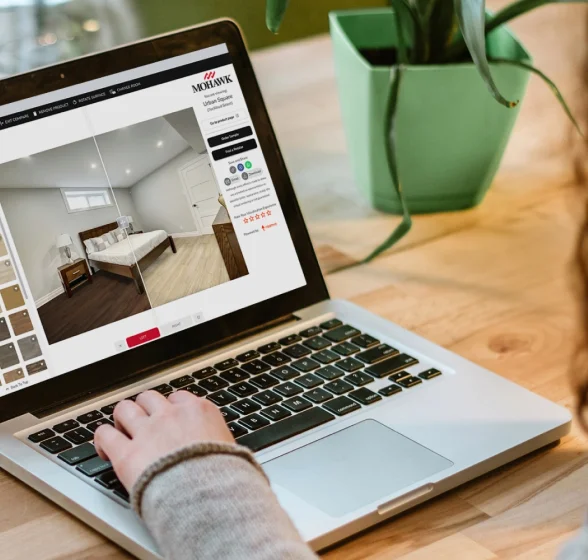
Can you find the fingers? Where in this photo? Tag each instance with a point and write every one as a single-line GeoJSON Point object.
{"type": "Point", "coordinates": [129, 416]}
{"type": "Point", "coordinates": [183, 397]}
{"type": "Point", "coordinates": [110, 443]}
{"type": "Point", "coordinates": [151, 402]}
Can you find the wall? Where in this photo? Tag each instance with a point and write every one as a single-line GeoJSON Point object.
{"type": "Point", "coordinates": [160, 200]}
{"type": "Point", "coordinates": [185, 124]}
{"type": "Point", "coordinates": [37, 216]}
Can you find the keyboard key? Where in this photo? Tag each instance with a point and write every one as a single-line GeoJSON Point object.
{"type": "Point", "coordinates": [204, 373]}
{"type": "Point", "coordinates": [408, 382]}
{"type": "Point", "coordinates": [213, 383]}
{"type": "Point", "coordinates": [297, 404]}
{"type": "Point", "coordinates": [349, 365]}
{"type": "Point", "coordinates": [242, 389]}
{"type": "Point", "coordinates": [121, 492]}
{"type": "Point", "coordinates": [276, 359]}
{"type": "Point", "coordinates": [108, 409]}
{"type": "Point", "coordinates": [270, 347]}
{"type": "Point", "coordinates": [221, 398]}
{"type": "Point", "coordinates": [339, 387]}
{"type": "Point", "coordinates": [276, 413]}
{"type": "Point", "coordinates": [329, 373]}
{"type": "Point", "coordinates": [341, 406]}
{"type": "Point", "coordinates": [365, 340]}
{"type": "Point", "coordinates": [318, 395]}
{"type": "Point", "coordinates": [246, 406]}
{"type": "Point", "coordinates": [234, 375]}
{"type": "Point", "coordinates": [311, 331]}
{"type": "Point", "coordinates": [346, 349]}
{"type": "Point", "coordinates": [79, 435]}
{"type": "Point", "coordinates": [305, 365]}
{"type": "Point", "coordinates": [400, 375]}
{"type": "Point", "coordinates": [236, 430]}
{"type": "Point", "coordinates": [42, 435]}
{"type": "Point", "coordinates": [430, 374]}
{"type": "Point", "coordinates": [195, 390]}
{"type": "Point", "coordinates": [255, 367]}
{"type": "Point", "coordinates": [108, 479]}
{"type": "Point", "coordinates": [78, 454]}
{"type": "Point", "coordinates": [359, 379]}
{"type": "Point", "coordinates": [364, 396]}
{"type": "Point", "coordinates": [90, 417]}
{"type": "Point", "coordinates": [66, 426]}
{"type": "Point", "coordinates": [391, 365]}
{"type": "Point", "coordinates": [93, 426]}
{"type": "Point", "coordinates": [297, 351]}
{"type": "Point", "coordinates": [163, 389]}
{"type": "Point", "coordinates": [376, 354]}
{"type": "Point", "coordinates": [275, 433]}
{"type": "Point", "coordinates": [285, 373]}
{"type": "Point", "coordinates": [254, 422]}
{"type": "Point", "coordinates": [94, 466]}
{"type": "Point", "coordinates": [326, 356]}
{"type": "Point", "coordinates": [390, 390]}
{"type": "Point", "coordinates": [181, 381]}
{"type": "Point", "coordinates": [267, 398]}
{"type": "Point", "coordinates": [290, 339]}
{"type": "Point", "coordinates": [247, 356]}
{"type": "Point", "coordinates": [226, 364]}
{"type": "Point", "coordinates": [341, 333]}
{"type": "Point", "coordinates": [288, 389]}
{"type": "Point", "coordinates": [309, 381]}
{"type": "Point", "coordinates": [264, 381]}
{"type": "Point", "coordinates": [55, 445]}
{"type": "Point", "coordinates": [317, 343]}
{"type": "Point", "coordinates": [331, 324]}
{"type": "Point", "coordinates": [228, 414]}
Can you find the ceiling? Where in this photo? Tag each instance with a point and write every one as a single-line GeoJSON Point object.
{"type": "Point", "coordinates": [129, 154]}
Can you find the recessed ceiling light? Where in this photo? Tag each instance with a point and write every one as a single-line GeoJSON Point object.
{"type": "Point", "coordinates": [128, 171]}
{"type": "Point", "coordinates": [91, 25]}
{"type": "Point", "coordinates": [160, 143]}
{"type": "Point", "coordinates": [93, 166]}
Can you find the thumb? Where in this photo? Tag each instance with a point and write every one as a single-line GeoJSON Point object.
{"type": "Point", "coordinates": [110, 444]}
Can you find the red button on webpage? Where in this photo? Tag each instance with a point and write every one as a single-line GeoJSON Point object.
{"type": "Point", "coordinates": [142, 338]}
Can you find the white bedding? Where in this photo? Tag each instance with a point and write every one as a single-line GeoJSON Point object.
{"type": "Point", "coordinates": [130, 250]}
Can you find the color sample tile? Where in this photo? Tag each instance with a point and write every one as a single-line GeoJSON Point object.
{"type": "Point", "coordinates": [8, 355]}
{"type": "Point", "coordinates": [3, 250]}
{"type": "Point", "coordinates": [12, 297]}
{"type": "Point", "coordinates": [4, 332]}
{"type": "Point", "coordinates": [29, 347]}
{"type": "Point", "coordinates": [6, 272]}
{"type": "Point", "coordinates": [36, 367]}
{"type": "Point", "coordinates": [14, 375]}
{"type": "Point", "coordinates": [21, 322]}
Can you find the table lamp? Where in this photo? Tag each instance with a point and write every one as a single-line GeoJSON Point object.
{"type": "Point", "coordinates": [64, 240]}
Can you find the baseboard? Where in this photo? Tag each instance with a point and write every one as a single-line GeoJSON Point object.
{"type": "Point", "coordinates": [47, 298]}
{"type": "Point", "coordinates": [186, 234]}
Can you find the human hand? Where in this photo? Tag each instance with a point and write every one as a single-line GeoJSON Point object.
{"type": "Point", "coordinates": [153, 426]}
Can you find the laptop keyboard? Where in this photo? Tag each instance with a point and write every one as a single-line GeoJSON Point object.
{"type": "Point", "coordinates": [266, 395]}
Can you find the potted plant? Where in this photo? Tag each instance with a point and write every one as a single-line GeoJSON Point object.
{"type": "Point", "coordinates": [429, 92]}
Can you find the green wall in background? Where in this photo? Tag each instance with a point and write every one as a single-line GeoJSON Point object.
{"type": "Point", "coordinates": [304, 17]}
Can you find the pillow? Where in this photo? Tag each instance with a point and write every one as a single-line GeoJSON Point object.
{"type": "Point", "coordinates": [120, 237]}
{"type": "Point", "coordinates": [110, 238]}
{"type": "Point", "coordinates": [90, 247]}
{"type": "Point", "coordinates": [119, 234]}
{"type": "Point", "coordinates": [99, 244]}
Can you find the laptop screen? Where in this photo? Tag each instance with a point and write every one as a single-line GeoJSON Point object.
{"type": "Point", "coordinates": [132, 207]}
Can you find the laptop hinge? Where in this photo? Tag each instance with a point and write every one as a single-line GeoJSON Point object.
{"type": "Point", "coordinates": [54, 408]}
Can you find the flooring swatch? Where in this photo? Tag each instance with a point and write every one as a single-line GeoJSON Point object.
{"type": "Point", "coordinates": [36, 367]}
{"type": "Point", "coordinates": [13, 375]}
{"type": "Point", "coordinates": [29, 347]}
{"type": "Point", "coordinates": [6, 272]}
{"type": "Point", "coordinates": [4, 332]}
{"type": "Point", "coordinates": [12, 297]}
{"type": "Point", "coordinates": [21, 322]}
{"type": "Point", "coordinates": [8, 355]}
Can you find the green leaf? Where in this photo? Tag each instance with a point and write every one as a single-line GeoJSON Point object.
{"type": "Point", "coordinates": [471, 15]}
{"type": "Point", "coordinates": [274, 13]}
{"type": "Point", "coordinates": [548, 81]}
{"type": "Point", "coordinates": [401, 8]}
{"type": "Point", "coordinates": [443, 29]}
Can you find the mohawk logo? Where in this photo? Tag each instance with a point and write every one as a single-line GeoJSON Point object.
{"type": "Point", "coordinates": [211, 82]}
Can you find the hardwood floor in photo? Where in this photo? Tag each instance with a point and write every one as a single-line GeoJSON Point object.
{"type": "Point", "coordinates": [198, 265]}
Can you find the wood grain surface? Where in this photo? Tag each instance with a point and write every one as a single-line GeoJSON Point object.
{"type": "Point", "coordinates": [492, 284]}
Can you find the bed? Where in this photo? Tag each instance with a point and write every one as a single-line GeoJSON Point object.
{"type": "Point", "coordinates": [129, 257]}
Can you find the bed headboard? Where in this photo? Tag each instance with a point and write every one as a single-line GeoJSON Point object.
{"type": "Point", "coordinates": [96, 232]}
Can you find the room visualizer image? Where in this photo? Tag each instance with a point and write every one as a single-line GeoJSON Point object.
{"type": "Point", "coordinates": [115, 225]}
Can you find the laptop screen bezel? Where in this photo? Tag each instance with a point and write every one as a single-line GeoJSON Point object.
{"type": "Point", "coordinates": [140, 362]}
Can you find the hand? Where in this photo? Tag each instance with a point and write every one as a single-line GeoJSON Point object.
{"type": "Point", "coordinates": [153, 426]}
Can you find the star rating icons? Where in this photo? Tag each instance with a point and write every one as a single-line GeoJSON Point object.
{"type": "Point", "coordinates": [269, 212]}
{"type": "Point", "coordinates": [257, 216]}
{"type": "Point", "coordinates": [245, 221]}
{"type": "Point", "coordinates": [264, 214]}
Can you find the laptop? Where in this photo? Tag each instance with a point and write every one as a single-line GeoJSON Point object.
{"type": "Point", "coordinates": [151, 239]}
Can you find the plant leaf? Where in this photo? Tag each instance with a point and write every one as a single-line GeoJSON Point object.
{"type": "Point", "coordinates": [471, 15]}
{"type": "Point", "coordinates": [547, 80]}
{"type": "Point", "coordinates": [400, 8]}
{"type": "Point", "coordinates": [442, 31]}
{"type": "Point", "coordinates": [274, 13]}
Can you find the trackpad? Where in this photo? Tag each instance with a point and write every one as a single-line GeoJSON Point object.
{"type": "Point", "coordinates": [354, 467]}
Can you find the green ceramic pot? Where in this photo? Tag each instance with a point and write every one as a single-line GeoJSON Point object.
{"type": "Point", "coordinates": [451, 133]}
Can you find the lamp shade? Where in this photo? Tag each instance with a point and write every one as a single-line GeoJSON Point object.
{"type": "Point", "coordinates": [64, 240]}
{"type": "Point", "coordinates": [123, 222]}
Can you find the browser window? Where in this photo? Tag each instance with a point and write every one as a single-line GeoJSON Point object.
{"type": "Point", "coordinates": [132, 207]}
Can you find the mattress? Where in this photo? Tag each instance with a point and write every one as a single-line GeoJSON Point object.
{"type": "Point", "coordinates": [130, 250]}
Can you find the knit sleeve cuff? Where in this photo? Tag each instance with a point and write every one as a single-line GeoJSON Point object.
{"type": "Point", "coordinates": [183, 454]}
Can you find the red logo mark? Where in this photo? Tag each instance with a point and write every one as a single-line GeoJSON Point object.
{"type": "Point", "coordinates": [209, 75]}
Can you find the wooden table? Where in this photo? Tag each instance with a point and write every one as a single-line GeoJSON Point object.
{"type": "Point", "coordinates": [491, 283]}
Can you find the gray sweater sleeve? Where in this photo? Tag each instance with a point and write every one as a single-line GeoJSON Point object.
{"type": "Point", "coordinates": [213, 501]}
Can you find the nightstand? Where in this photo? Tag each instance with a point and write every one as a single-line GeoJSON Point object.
{"type": "Point", "coordinates": [73, 275]}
